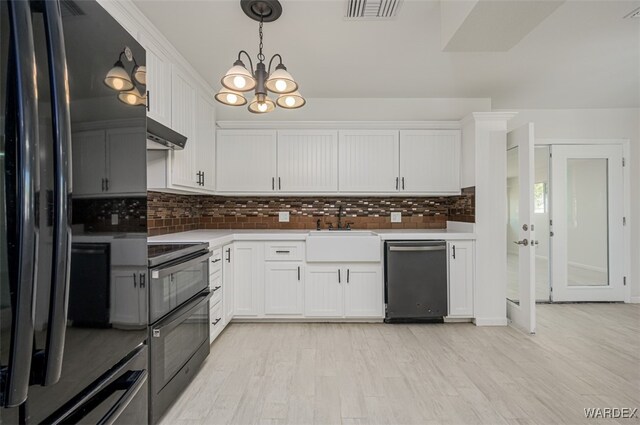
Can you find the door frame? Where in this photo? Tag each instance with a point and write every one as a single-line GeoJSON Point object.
{"type": "Point", "coordinates": [626, 194]}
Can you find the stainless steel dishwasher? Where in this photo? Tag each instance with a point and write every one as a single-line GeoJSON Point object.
{"type": "Point", "coordinates": [415, 281]}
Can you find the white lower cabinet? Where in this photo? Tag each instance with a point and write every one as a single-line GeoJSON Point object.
{"type": "Point", "coordinates": [283, 288]}
{"type": "Point", "coordinates": [248, 258]}
{"type": "Point", "coordinates": [343, 290]}
{"type": "Point", "coordinates": [228, 283]}
{"type": "Point", "coordinates": [323, 291]}
{"type": "Point", "coordinates": [128, 303]}
{"type": "Point", "coordinates": [461, 277]}
{"type": "Point", "coordinates": [363, 291]}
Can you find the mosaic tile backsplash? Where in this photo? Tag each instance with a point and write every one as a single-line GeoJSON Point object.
{"type": "Point", "coordinates": [169, 213]}
{"type": "Point", "coordinates": [96, 214]}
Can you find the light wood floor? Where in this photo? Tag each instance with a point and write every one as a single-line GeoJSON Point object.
{"type": "Point", "coordinates": [584, 355]}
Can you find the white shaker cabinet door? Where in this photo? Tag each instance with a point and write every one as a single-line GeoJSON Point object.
{"type": "Point", "coordinates": [183, 162]}
{"type": "Point", "coordinates": [228, 282]}
{"type": "Point", "coordinates": [89, 162]}
{"type": "Point", "coordinates": [461, 277]}
{"type": "Point", "coordinates": [323, 291]}
{"type": "Point", "coordinates": [206, 138]}
{"type": "Point", "coordinates": [430, 161]}
{"type": "Point", "coordinates": [125, 174]}
{"type": "Point", "coordinates": [363, 291]}
{"type": "Point", "coordinates": [158, 81]}
{"type": "Point", "coordinates": [248, 278]}
{"type": "Point", "coordinates": [307, 161]}
{"type": "Point", "coordinates": [246, 161]}
{"type": "Point", "coordinates": [283, 288]}
{"type": "Point", "coordinates": [369, 161]}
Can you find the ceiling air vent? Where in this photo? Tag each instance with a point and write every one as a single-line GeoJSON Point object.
{"type": "Point", "coordinates": [372, 9]}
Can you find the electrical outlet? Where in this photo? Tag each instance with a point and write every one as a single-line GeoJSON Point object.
{"type": "Point", "coordinates": [283, 216]}
{"type": "Point", "coordinates": [396, 217]}
{"type": "Point", "coordinates": [114, 219]}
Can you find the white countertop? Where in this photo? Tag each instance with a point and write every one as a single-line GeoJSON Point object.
{"type": "Point", "coordinates": [221, 237]}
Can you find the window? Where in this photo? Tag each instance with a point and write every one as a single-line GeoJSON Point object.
{"type": "Point", "coordinates": [540, 198]}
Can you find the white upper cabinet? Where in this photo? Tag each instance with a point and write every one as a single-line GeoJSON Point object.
{"type": "Point", "coordinates": [158, 81]}
{"type": "Point", "coordinates": [126, 175]}
{"type": "Point", "coordinates": [246, 161]}
{"type": "Point", "coordinates": [369, 161]}
{"type": "Point", "coordinates": [307, 161]}
{"type": "Point", "coordinates": [89, 167]}
{"type": "Point", "coordinates": [94, 174]}
{"type": "Point", "coordinates": [430, 161]}
{"type": "Point", "coordinates": [205, 139]}
{"type": "Point", "coordinates": [183, 102]}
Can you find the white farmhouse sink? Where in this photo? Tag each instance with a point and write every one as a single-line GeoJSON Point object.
{"type": "Point", "coordinates": [343, 246]}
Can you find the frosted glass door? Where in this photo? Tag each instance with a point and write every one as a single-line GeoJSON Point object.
{"type": "Point", "coordinates": [587, 210]}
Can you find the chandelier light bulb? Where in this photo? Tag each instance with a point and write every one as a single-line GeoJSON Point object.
{"type": "Point", "coordinates": [232, 98]}
{"type": "Point", "coordinates": [262, 107]}
{"type": "Point", "coordinates": [118, 83]}
{"type": "Point", "coordinates": [289, 101]}
{"type": "Point", "coordinates": [240, 82]}
{"type": "Point", "coordinates": [131, 99]}
{"type": "Point", "coordinates": [281, 85]}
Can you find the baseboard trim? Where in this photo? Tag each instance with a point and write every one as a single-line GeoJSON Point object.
{"type": "Point", "coordinates": [490, 321]}
{"type": "Point", "coordinates": [635, 300]}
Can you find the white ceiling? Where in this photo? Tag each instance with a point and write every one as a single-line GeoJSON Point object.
{"type": "Point", "coordinates": [584, 55]}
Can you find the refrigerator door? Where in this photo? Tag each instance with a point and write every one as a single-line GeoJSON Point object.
{"type": "Point", "coordinates": [75, 44]}
{"type": "Point", "coordinates": [18, 226]}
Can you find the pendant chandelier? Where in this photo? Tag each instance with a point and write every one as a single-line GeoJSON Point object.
{"type": "Point", "coordinates": [125, 83]}
{"type": "Point", "coordinates": [239, 80]}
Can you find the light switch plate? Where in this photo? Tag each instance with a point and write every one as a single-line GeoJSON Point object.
{"type": "Point", "coordinates": [283, 216]}
{"type": "Point", "coordinates": [396, 217]}
{"type": "Point", "coordinates": [114, 219]}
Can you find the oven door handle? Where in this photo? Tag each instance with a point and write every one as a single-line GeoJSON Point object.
{"type": "Point", "coordinates": [160, 272]}
{"type": "Point", "coordinates": [180, 316]}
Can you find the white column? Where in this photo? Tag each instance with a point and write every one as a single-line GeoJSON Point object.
{"type": "Point", "coordinates": [486, 136]}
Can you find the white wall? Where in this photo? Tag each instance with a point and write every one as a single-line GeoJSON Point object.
{"type": "Point", "coordinates": [369, 109]}
{"type": "Point", "coordinates": [598, 124]}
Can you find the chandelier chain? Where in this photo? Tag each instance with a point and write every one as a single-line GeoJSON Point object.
{"type": "Point", "coordinates": [260, 54]}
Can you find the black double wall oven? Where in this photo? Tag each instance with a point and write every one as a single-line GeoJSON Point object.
{"type": "Point", "coordinates": [179, 319]}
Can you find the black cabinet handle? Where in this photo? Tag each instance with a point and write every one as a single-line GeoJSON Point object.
{"type": "Point", "coordinates": [403, 183]}
{"type": "Point", "coordinates": [107, 183]}
{"type": "Point", "coordinates": [298, 273]}
{"type": "Point", "coordinates": [279, 184]}
{"type": "Point", "coordinates": [273, 183]}
{"type": "Point", "coordinates": [348, 275]}
{"type": "Point", "coordinates": [339, 276]}
{"type": "Point", "coordinates": [397, 180]}
{"type": "Point", "coordinates": [216, 288]}
{"type": "Point", "coordinates": [215, 322]}
{"type": "Point", "coordinates": [282, 252]}
{"type": "Point", "coordinates": [216, 260]}
{"type": "Point", "coordinates": [228, 255]}
{"type": "Point", "coordinates": [143, 279]}
{"type": "Point", "coordinates": [454, 251]}
{"type": "Point", "coordinates": [148, 101]}
{"type": "Point", "coordinates": [135, 283]}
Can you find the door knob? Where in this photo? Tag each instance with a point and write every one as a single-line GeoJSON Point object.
{"type": "Point", "coordinates": [524, 242]}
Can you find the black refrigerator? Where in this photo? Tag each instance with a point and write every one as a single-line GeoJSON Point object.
{"type": "Point", "coordinates": [73, 177]}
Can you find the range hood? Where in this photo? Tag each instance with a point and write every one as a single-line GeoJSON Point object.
{"type": "Point", "coordinates": [161, 137]}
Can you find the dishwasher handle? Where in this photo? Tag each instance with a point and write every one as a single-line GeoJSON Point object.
{"type": "Point", "coordinates": [417, 248]}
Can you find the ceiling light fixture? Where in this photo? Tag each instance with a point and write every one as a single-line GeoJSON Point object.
{"type": "Point", "coordinates": [119, 80]}
{"type": "Point", "coordinates": [261, 80]}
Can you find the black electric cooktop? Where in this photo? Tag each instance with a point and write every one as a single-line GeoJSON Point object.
{"type": "Point", "coordinates": [159, 253]}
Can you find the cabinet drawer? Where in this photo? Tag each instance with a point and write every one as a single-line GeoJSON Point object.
{"type": "Point", "coordinates": [215, 286]}
{"type": "Point", "coordinates": [216, 261]}
{"type": "Point", "coordinates": [284, 251]}
{"type": "Point", "coordinates": [216, 321]}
